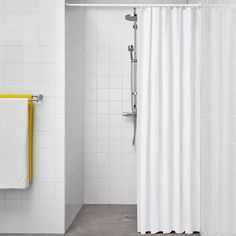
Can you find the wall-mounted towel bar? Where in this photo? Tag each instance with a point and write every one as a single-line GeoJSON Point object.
{"type": "Point", "coordinates": [31, 98]}
{"type": "Point", "coordinates": [36, 98]}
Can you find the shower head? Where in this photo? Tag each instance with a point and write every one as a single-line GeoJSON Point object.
{"type": "Point", "coordinates": [131, 48]}
{"type": "Point", "coordinates": [133, 18]}
{"type": "Point", "coordinates": [131, 51]}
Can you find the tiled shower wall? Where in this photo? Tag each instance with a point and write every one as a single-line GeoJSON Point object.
{"type": "Point", "coordinates": [32, 61]}
{"type": "Point", "coordinates": [74, 107]}
{"type": "Point", "coordinates": [110, 161]}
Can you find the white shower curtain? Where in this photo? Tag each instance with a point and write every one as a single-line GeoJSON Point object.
{"type": "Point", "coordinates": [218, 126]}
{"type": "Point", "coordinates": [168, 120]}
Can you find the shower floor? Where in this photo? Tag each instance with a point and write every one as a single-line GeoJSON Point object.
{"type": "Point", "coordinates": [103, 220]}
{"type": "Point", "coordinates": [107, 220]}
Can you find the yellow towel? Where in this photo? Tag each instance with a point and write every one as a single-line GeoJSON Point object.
{"type": "Point", "coordinates": [29, 96]}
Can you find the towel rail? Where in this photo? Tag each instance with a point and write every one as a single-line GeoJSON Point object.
{"type": "Point", "coordinates": [36, 98]}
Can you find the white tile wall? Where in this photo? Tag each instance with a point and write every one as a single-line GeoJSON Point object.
{"type": "Point", "coordinates": [110, 162]}
{"type": "Point", "coordinates": [32, 61]}
{"type": "Point", "coordinates": [74, 112]}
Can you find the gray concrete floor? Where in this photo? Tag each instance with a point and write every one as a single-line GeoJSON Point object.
{"type": "Point", "coordinates": [104, 220]}
{"type": "Point", "coordinates": [107, 220]}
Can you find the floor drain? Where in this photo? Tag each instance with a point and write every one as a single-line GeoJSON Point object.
{"type": "Point", "coordinates": [130, 218]}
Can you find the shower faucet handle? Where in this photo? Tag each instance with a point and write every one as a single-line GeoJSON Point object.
{"type": "Point", "coordinates": [127, 114]}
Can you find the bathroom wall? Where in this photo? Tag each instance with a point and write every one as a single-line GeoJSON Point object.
{"type": "Point", "coordinates": [74, 107]}
{"type": "Point", "coordinates": [32, 61]}
{"type": "Point", "coordinates": [110, 162]}
{"type": "Point", "coordinates": [218, 120]}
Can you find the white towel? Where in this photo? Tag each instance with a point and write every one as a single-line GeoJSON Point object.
{"type": "Point", "coordinates": [14, 146]}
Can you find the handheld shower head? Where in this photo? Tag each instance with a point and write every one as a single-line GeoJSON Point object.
{"type": "Point", "coordinates": [131, 48]}
{"type": "Point", "coordinates": [131, 51]}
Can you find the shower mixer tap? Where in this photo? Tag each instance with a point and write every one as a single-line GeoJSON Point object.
{"type": "Point", "coordinates": [129, 114]}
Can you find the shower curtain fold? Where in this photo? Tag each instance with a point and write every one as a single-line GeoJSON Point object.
{"type": "Point", "coordinates": [168, 120]}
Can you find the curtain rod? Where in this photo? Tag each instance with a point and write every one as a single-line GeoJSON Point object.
{"type": "Point", "coordinates": [131, 5]}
